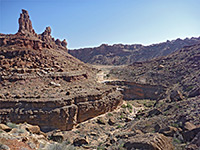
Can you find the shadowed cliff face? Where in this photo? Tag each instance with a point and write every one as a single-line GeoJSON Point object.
{"type": "Point", "coordinates": [40, 83]}
{"type": "Point", "coordinates": [119, 54]}
{"type": "Point", "coordinates": [133, 90]}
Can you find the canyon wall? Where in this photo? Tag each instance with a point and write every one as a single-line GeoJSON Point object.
{"type": "Point", "coordinates": [132, 90]}
{"type": "Point", "coordinates": [60, 113]}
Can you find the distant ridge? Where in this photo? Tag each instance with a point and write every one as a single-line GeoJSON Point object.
{"type": "Point", "coordinates": [120, 54]}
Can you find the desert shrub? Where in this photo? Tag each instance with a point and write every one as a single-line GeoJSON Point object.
{"type": "Point", "coordinates": [189, 88]}
{"type": "Point", "coordinates": [21, 131]}
{"type": "Point", "coordinates": [121, 116]}
{"type": "Point", "coordinates": [119, 126]}
{"type": "Point", "coordinates": [109, 114]}
{"type": "Point", "coordinates": [176, 141]}
{"type": "Point", "coordinates": [175, 125]}
{"type": "Point", "coordinates": [11, 125]}
{"type": "Point", "coordinates": [129, 106]}
{"type": "Point", "coordinates": [123, 106]}
{"type": "Point", "coordinates": [101, 148]}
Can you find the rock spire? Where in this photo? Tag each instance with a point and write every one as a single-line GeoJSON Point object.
{"type": "Point", "coordinates": [25, 24]}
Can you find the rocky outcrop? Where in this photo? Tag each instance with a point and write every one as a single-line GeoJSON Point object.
{"type": "Point", "coordinates": [40, 83]}
{"type": "Point", "coordinates": [179, 73]}
{"type": "Point", "coordinates": [149, 141]}
{"type": "Point", "coordinates": [57, 113]}
{"type": "Point", "coordinates": [195, 143]}
{"type": "Point", "coordinates": [25, 24]}
{"type": "Point", "coordinates": [24, 136]}
{"type": "Point", "coordinates": [47, 38]}
{"type": "Point", "coordinates": [133, 90]}
{"type": "Point", "coordinates": [64, 43]}
{"type": "Point", "coordinates": [26, 36]}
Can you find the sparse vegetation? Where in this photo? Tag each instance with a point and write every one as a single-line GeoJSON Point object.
{"type": "Point", "coordinates": [119, 126]}
{"type": "Point", "coordinates": [129, 106]}
{"type": "Point", "coordinates": [12, 125]}
{"type": "Point", "coordinates": [175, 125]}
{"type": "Point", "coordinates": [189, 88]}
{"type": "Point", "coordinates": [110, 114]}
{"type": "Point", "coordinates": [176, 140]}
{"type": "Point", "coordinates": [121, 116]}
{"type": "Point", "coordinates": [123, 106]}
{"type": "Point", "coordinates": [101, 148]}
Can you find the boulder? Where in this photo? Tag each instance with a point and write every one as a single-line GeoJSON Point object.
{"type": "Point", "coordinates": [154, 112]}
{"type": "Point", "coordinates": [101, 120]}
{"type": "Point", "coordinates": [111, 121]}
{"type": "Point", "coordinates": [127, 119]}
{"type": "Point", "coordinates": [169, 131]}
{"type": "Point", "coordinates": [5, 128]}
{"type": "Point", "coordinates": [189, 126]}
{"type": "Point", "coordinates": [149, 141]}
{"type": "Point", "coordinates": [58, 42]}
{"type": "Point", "coordinates": [175, 95]}
{"type": "Point", "coordinates": [64, 43]}
{"type": "Point", "coordinates": [33, 129]}
{"type": "Point", "coordinates": [79, 141]}
{"type": "Point", "coordinates": [157, 127]}
{"type": "Point", "coordinates": [47, 32]}
{"type": "Point", "coordinates": [55, 84]}
{"type": "Point", "coordinates": [57, 137]}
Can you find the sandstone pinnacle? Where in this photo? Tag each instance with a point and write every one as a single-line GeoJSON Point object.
{"type": "Point", "coordinates": [25, 23]}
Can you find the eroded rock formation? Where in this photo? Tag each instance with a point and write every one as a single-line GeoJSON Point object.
{"type": "Point", "coordinates": [26, 36]}
{"type": "Point", "coordinates": [40, 83]}
{"type": "Point", "coordinates": [133, 90]}
{"type": "Point", "coordinates": [25, 24]}
{"type": "Point", "coordinates": [59, 113]}
{"type": "Point", "coordinates": [149, 141]}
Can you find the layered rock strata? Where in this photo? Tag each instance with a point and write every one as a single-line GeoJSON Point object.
{"type": "Point", "coordinates": [40, 83]}
{"type": "Point", "coordinates": [120, 54]}
{"type": "Point", "coordinates": [133, 90]}
{"type": "Point", "coordinates": [59, 113]}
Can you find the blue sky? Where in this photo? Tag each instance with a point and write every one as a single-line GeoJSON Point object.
{"type": "Point", "coordinates": [88, 23]}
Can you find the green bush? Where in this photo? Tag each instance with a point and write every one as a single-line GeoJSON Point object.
{"type": "Point", "coordinates": [129, 106]}
{"type": "Point", "coordinates": [176, 140]}
{"type": "Point", "coordinates": [109, 114]}
{"type": "Point", "coordinates": [11, 125]}
{"type": "Point", "coordinates": [123, 106]}
{"type": "Point", "coordinates": [119, 126]}
{"type": "Point", "coordinates": [121, 116]}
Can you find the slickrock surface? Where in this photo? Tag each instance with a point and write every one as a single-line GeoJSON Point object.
{"type": "Point", "coordinates": [40, 83]}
